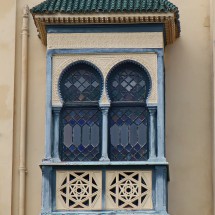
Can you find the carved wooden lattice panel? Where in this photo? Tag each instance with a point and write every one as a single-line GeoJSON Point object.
{"type": "Point", "coordinates": [79, 190]}
{"type": "Point", "coordinates": [129, 190]}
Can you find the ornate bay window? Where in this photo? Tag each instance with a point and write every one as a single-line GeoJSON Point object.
{"type": "Point", "coordinates": [105, 134]}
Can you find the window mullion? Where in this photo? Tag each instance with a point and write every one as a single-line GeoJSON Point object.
{"type": "Point", "coordinates": [56, 126]}
{"type": "Point", "coordinates": [104, 156]}
{"type": "Point", "coordinates": [152, 134]}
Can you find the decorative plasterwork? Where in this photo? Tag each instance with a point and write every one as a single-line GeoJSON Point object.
{"type": "Point", "coordinates": [171, 31]}
{"type": "Point", "coordinates": [79, 190]}
{"type": "Point", "coordinates": [104, 62]}
{"type": "Point", "coordinates": [105, 40]}
{"type": "Point", "coordinates": [129, 190]}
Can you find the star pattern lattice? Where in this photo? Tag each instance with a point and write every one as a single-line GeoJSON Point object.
{"type": "Point", "coordinates": [79, 190]}
{"type": "Point", "coordinates": [127, 190]}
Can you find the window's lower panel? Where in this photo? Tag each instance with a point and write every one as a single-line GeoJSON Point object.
{"type": "Point", "coordinates": [104, 190]}
{"type": "Point", "coordinates": [130, 190]}
{"type": "Point", "coordinates": [79, 190]}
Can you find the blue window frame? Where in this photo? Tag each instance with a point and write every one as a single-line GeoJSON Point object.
{"type": "Point", "coordinates": [80, 119]}
{"type": "Point", "coordinates": [128, 87]}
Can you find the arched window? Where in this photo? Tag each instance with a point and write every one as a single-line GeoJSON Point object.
{"type": "Point", "coordinates": [128, 87]}
{"type": "Point", "coordinates": [80, 87]}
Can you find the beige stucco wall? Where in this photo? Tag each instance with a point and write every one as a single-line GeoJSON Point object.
{"type": "Point", "coordinates": [7, 61]}
{"type": "Point", "coordinates": [188, 111]}
{"type": "Point", "coordinates": [35, 115]}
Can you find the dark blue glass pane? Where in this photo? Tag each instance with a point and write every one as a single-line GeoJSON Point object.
{"type": "Point", "coordinates": [128, 82]}
{"type": "Point", "coordinates": [128, 134]}
{"type": "Point", "coordinates": [80, 82]}
{"type": "Point", "coordinates": [80, 140]}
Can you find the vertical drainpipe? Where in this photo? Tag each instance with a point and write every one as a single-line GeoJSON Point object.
{"type": "Point", "coordinates": [22, 164]}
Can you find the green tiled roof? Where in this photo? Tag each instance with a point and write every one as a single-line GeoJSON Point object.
{"type": "Point", "coordinates": [54, 8]}
{"type": "Point", "coordinates": [104, 6]}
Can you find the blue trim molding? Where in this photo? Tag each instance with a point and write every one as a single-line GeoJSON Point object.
{"type": "Point", "coordinates": [110, 28]}
{"type": "Point", "coordinates": [49, 132]}
{"type": "Point", "coordinates": [51, 52]}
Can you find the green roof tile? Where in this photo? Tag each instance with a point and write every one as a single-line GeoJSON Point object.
{"type": "Point", "coordinates": [103, 6]}
{"type": "Point", "coordinates": [107, 6]}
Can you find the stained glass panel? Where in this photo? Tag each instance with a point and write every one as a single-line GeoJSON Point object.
{"type": "Point", "coordinates": [80, 82]}
{"type": "Point", "coordinates": [80, 134]}
{"type": "Point", "coordinates": [128, 82]}
{"type": "Point", "coordinates": [128, 134]}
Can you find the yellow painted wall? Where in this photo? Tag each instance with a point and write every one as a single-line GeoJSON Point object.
{"type": "Point", "coordinates": [188, 111]}
{"type": "Point", "coordinates": [35, 115]}
{"type": "Point", "coordinates": [7, 66]}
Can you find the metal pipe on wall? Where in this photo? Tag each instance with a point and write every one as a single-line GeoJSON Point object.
{"type": "Point", "coordinates": [212, 34]}
{"type": "Point", "coordinates": [22, 164]}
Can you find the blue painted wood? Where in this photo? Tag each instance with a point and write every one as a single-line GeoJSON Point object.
{"type": "Point", "coordinates": [158, 186]}
{"type": "Point", "coordinates": [161, 110]}
{"type": "Point", "coordinates": [160, 183]}
{"type": "Point", "coordinates": [98, 28]}
{"type": "Point", "coordinates": [103, 189]}
{"type": "Point", "coordinates": [161, 189]}
{"type": "Point", "coordinates": [104, 163]}
{"type": "Point", "coordinates": [152, 134]}
{"type": "Point", "coordinates": [52, 52]}
{"type": "Point", "coordinates": [107, 212]}
{"type": "Point", "coordinates": [47, 188]}
{"type": "Point", "coordinates": [104, 133]}
{"type": "Point", "coordinates": [49, 138]}
{"type": "Point", "coordinates": [56, 113]}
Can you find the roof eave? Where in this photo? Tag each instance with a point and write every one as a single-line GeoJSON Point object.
{"type": "Point", "coordinates": [172, 28]}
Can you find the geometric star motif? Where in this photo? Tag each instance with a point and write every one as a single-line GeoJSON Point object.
{"type": "Point", "coordinates": [79, 190]}
{"type": "Point", "coordinates": [128, 190]}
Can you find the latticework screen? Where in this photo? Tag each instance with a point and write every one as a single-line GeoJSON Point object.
{"type": "Point", "coordinates": [125, 190]}
{"type": "Point", "coordinates": [129, 190]}
{"type": "Point", "coordinates": [79, 190]}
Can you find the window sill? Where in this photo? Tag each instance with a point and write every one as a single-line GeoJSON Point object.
{"type": "Point", "coordinates": [107, 212]}
{"type": "Point", "coordinates": [56, 162]}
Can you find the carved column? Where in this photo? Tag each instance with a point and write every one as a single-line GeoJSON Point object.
{"type": "Point", "coordinates": [105, 110]}
{"type": "Point", "coordinates": [152, 134]}
{"type": "Point", "coordinates": [56, 113]}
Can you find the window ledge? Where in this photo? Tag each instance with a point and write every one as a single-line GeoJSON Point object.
{"type": "Point", "coordinates": [108, 212]}
{"type": "Point", "coordinates": [54, 162]}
